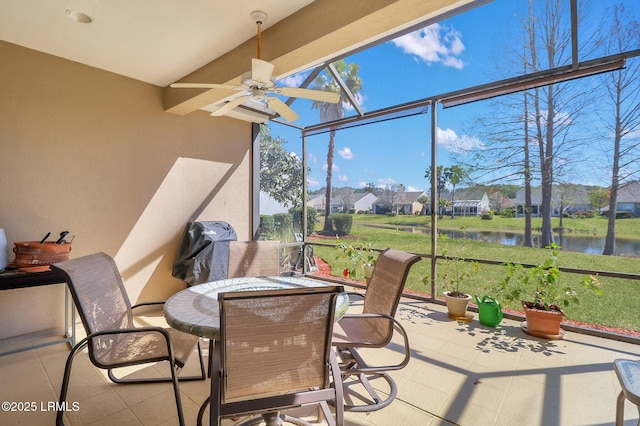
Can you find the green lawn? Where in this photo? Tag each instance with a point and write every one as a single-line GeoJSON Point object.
{"type": "Point", "coordinates": [617, 308]}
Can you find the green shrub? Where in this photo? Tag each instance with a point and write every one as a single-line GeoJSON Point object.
{"type": "Point", "coordinates": [312, 218]}
{"type": "Point", "coordinates": [508, 212]}
{"type": "Point", "coordinates": [267, 227]}
{"type": "Point", "coordinates": [487, 215]}
{"type": "Point", "coordinates": [584, 215]}
{"type": "Point", "coordinates": [283, 221]}
{"type": "Point", "coordinates": [341, 223]}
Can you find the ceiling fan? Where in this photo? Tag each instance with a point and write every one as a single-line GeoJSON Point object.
{"type": "Point", "coordinates": [259, 84]}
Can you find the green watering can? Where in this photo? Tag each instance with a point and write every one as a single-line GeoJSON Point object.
{"type": "Point", "coordinates": [490, 311]}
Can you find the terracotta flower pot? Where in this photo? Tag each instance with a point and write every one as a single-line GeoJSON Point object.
{"type": "Point", "coordinates": [542, 323]}
{"type": "Point", "coordinates": [456, 306]}
{"type": "Point", "coordinates": [34, 253]}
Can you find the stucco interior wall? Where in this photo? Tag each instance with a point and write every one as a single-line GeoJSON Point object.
{"type": "Point", "coordinates": [95, 153]}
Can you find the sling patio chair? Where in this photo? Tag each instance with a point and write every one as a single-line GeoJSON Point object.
{"type": "Point", "coordinates": [275, 353]}
{"type": "Point", "coordinates": [374, 328]}
{"type": "Point", "coordinates": [113, 340]}
{"type": "Point", "coordinates": [254, 258]}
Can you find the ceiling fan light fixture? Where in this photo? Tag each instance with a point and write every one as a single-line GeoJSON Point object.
{"type": "Point", "coordinates": [258, 84]}
{"type": "Point", "coordinates": [77, 16]}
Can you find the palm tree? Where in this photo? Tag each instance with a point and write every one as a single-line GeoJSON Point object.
{"type": "Point", "coordinates": [331, 112]}
{"type": "Point", "coordinates": [454, 175]}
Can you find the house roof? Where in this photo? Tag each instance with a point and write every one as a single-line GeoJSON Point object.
{"type": "Point", "coordinates": [412, 196]}
{"type": "Point", "coordinates": [629, 193]}
{"type": "Point", "coordinates": [463, 194]}
{"type": "Point", "coordinates": [338, 198]}
{"type": "Point", "coordinates": [567, 194]}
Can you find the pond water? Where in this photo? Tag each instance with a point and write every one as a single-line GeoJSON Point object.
{"type": "Point", "coordinates": [578, 243]}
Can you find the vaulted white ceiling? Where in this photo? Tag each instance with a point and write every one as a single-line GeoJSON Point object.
{"type": "Point", "coordinates": [164, 41]}
{"type": "Point", "coordinates": [156, 41]}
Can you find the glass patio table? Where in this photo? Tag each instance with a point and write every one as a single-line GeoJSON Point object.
{"type": "Point", "coordinates": [195, 309]}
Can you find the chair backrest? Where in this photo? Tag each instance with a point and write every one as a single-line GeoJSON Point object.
{"type": "Point", "coordinates": [275, 342]}
{"type": "Point", "coordinates": [98, 292]}
{"type": "Point", "coordinates": [387, 281]}
{"type": "Point", "coordinates": [254, 258]}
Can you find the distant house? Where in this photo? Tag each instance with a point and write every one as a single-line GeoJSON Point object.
{"type": "Point", "coordinates": [564, 199]}
{"type": "Point", "coordinates": [364, 202]}
{"type": "Point", "coordinates": [467, 203]}
{"type": "Point", "coordinates": [361, 202]}
{"type": "Point", "coordinates": [410, 203]}
{"type": "Point", "coordinates": [536, 202]}
{"type": "Point", "coordinates": [317, 202]}
{"type": "Point", "coordinates": [629, 199]}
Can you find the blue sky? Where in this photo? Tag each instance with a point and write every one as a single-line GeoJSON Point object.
{"type": "Point", "coordinates": [463, 51]}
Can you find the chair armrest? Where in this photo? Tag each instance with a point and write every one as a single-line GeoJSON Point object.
{"type": "Point", "coordinates": [113, 332]}
{"type": "Point", "coordinates": [160, 330]}
{"type": "Point", "coordinates": [370, 315]}
{"type": "Point", "coordinates": [362, 366]}
{"type": "Point", "coordinates": [137, 305]}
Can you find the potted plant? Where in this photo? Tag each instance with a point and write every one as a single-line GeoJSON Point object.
{"type": "Point", "coordinates": [452, 278]}
{"type": "Point", "coordinates": [544, 311]}
{"type": "Point", "coordinates": [360, 256]}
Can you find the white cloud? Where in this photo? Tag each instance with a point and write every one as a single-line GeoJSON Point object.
{"type": "Point", "coordinates": [458, 144]}
{"type": "Point", "coordinates": [294, 80]}
{"type": "Point", "coordinates": [435, 44]}
{"type": "Point", "coordinates": [335, 167]}
{"type": "Point", "coordinates": [414, 188]}
{"type": "Point", "coordinates": [360, 100]}
{"type": "Point", "coordinates": [312, 158]}
{"type": "Point", "coordinates": [343, 178]}
{"type": "Point", "coordinates": [346, 153]}
{"type": "Point", "coordinates": [312, 182]}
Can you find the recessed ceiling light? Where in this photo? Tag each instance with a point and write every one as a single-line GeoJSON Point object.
{"type": "Point", "coordinates": [76, 16]}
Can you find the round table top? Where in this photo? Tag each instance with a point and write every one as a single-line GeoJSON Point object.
{"type": "Point", "coordinates": [195, 309]}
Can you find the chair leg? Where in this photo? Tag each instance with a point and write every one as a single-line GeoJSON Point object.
{"type": "Point", "coordinates": [65, 380]}
{"type": "Point", "coordinates": [351, 359]}
{"type": "Point", "coordinates": [620, 409]}
{"type": "Point", "coordinates": [176, 392]}
{"type": "Point", "coordinates": [211, 343]}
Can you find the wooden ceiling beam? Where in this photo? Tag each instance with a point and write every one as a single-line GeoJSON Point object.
{"type": "Point", "coordinates": [316, 33]}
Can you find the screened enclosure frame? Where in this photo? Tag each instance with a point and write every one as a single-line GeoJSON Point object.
{"type": "Point", "coordinates": [575, 70]}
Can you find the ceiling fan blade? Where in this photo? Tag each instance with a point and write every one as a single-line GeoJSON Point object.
{"type": "Point", "coordinates": [261, 71]}
{"type": "Point", "coordinates": [315, 95]}
{"type": "Point", "coordinates": [283, 109]}
{"type": "Point", "coordinates": [205, 86]}
{"type": "Point", "coordinates": [229, 106]}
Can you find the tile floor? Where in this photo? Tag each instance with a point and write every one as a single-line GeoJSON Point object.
{"type": "Point", "coordinates": [460, 373]}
